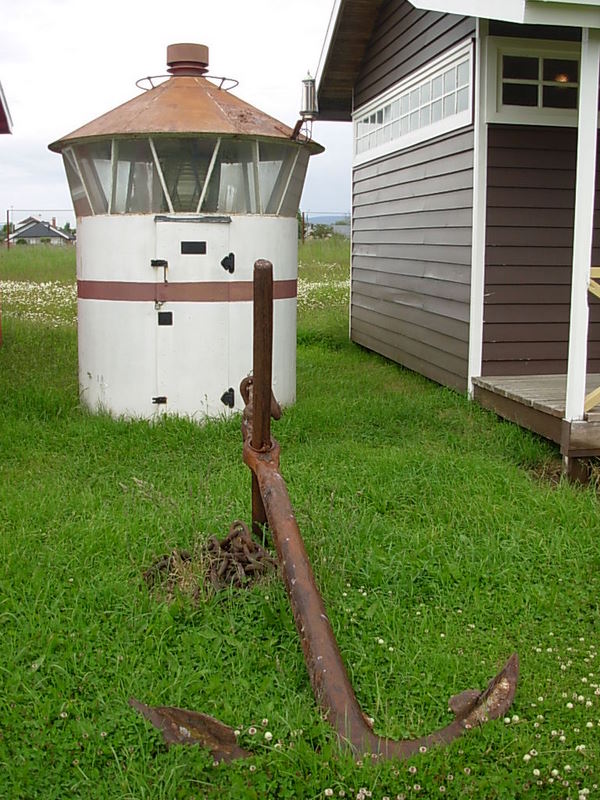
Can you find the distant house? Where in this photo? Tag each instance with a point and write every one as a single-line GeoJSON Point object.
{"type": "Point", "coordinates": [35, 231]}
{"type": "Point", "coordinates": [475, 144]}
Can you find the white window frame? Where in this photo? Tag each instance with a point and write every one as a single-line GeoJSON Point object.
{"type": "Point", "coordinates": [526, 115]}
{"type": "Point", "coordinates": [422, 76]}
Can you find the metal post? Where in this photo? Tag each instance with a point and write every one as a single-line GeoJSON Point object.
{"type": "Point", "coordinates": [7, 229]}
{"type": "Point", "coordinates": [261, 383]}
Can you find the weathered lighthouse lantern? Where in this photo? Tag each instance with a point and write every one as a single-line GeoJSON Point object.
{"type": "Point", "coordinates": [177, 193]}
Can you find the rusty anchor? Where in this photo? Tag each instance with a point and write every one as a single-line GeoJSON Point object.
{"type": "Point", "coordinates": [331, 686]}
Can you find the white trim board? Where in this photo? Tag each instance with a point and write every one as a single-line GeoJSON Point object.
{"type": "Point", "coordinates": [478, 229]}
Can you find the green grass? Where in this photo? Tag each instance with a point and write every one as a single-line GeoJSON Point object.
{"type": "Point", "coordinates": [40, 262]}
{"type": "Point", "coordinates": [437, 552]}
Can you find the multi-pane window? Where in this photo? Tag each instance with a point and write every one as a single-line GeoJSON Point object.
{"type": "Point", "coordinates": [539, 82]}
{"type": "Point", "coordinates": [533, 82]}
{"type": "Point", "coordinates": [432, 101]}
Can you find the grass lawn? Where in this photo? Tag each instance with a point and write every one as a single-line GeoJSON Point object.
{"type": "Point", "coordinates": [437, 550]}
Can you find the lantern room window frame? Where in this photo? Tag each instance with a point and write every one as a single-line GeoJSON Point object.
{"type": "Point", "coordinates": [250, 186]}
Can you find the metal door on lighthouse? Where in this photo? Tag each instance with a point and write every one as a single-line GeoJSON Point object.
{"type": "Point", "coordinates": [193, 268]}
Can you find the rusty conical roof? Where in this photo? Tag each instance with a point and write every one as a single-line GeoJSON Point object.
{"type": "Point", "coordinates": [187, 103]}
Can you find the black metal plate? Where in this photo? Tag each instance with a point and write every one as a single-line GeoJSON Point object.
{"type": "Point", "coordinates": [193, 248]}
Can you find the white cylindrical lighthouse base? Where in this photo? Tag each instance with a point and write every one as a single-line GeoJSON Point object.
{"type": "Point", "coordinates": [165, 311]}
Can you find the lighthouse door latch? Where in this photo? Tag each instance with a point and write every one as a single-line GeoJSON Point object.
{"type": "Point", "coordinates": [228, 263]}
{"type": "Point", "coordinates": [158, 263]}
{"type": "Point", "coordinates": [160, 400]}
{"type": "Point", "coordinates": [228, 398]}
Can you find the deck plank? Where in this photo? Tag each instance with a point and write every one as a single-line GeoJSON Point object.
{"type": "Point", "coordinates": [545, 393]}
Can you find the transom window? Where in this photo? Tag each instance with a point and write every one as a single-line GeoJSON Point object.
{"type": "Point", "coordinates": [434, 100]}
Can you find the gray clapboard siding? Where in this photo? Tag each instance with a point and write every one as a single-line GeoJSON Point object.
{"type": "Point", "coordinates": [412, 211]}
{"type": "Point", "coordinates": [459, 200]}
{"type": "Point", "coordinates": [454, 328]}
{"type": "Point", "coordinates": [403, 40]}
{"type": "Point", "coordinates": [529, 238]}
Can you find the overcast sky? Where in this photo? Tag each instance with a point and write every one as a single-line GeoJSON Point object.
{"type": "Point", "coordinates": [66, 62]}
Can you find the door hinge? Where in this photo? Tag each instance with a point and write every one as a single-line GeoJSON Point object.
{"type": "Point", "coordinates": [228, 398]}
{"type": "Point", "coordinates": [228, 263]}
{"type": "Point", "coordinates": [160, 400]}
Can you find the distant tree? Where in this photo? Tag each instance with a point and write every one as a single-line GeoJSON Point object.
{"type": "Point", "coordinates": [45, 240]}
{"type": "Point", "coordinates": [67, 228]}
{"type": "Point", "coordinates": [3, 231]}
{"type": "Point", "coordinates": [21, 241]}
{"type": "Point", "coordinates": [321, 231]}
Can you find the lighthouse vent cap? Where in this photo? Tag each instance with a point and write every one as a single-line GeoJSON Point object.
{"type": "Point", "coordinates": [187, 59]}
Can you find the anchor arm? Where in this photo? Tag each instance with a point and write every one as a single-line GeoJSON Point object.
{"type": "Point", "coordinates": [328, 676]}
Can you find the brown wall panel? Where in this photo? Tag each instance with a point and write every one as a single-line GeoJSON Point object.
{"type": "Point", "coordinates": [529, 239]}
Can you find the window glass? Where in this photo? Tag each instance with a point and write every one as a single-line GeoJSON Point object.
{"type": "Point", "coordinates": [437, 86]}
{"type": "Point", "coordinates": [519, 94]}
{"type": "Point", "coordinates": [95, 165]}
{"type": "Point", "coordinates": [462, 74]}
{"type": "Point", "coordinates": [184, 163]}
{"type": "Point", "coordinates": [449, 80]}
{"type": "Point", "coordinates": [136, 188]}
{"type": "Point", "coordinates": [276, 162]}
{"type": "Point", "coordinates": [520, 67]}
{"type": "Point", "coordinates": [559, 70]}
{"type": "Point", "coordinates": [462, 99]}
{"type": "Point", "coordinates": [78, 196]}
{"type": "Point", "coordinates": [560, 96]}
{"type": "Point", "coordinates": [436, 111]}
{"type": "Point", "coordinates": [449, 105]}
{"type": "Point", "coordinates": [291, 201]}
{"type": "Point", "coordinates": [234, 177]}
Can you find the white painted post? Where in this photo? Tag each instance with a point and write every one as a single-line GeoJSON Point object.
{"type": "Point", "coordinates": [583, 225]}
{"type": "Point", "coordinates": [479, 208]}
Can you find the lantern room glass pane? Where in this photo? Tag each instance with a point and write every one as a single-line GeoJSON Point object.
{"type": "Point", "coordinates": [291, 201]}
{"type": "Point", "coordinates": [136, 187]}
{"type": "Point", "coordinates": [95, 165]}
{"type": "Point", "coordinates": [184, 163]}
{"type": "Point", "coordinates": [232, 188]}
{"type": "Point", "coordinates": [276, 162]}
{"type": "Point", "coordinates": [78, 196]}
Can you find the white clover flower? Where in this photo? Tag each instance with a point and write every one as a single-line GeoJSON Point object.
{"type": "Point", "coordinates": [268, 736]}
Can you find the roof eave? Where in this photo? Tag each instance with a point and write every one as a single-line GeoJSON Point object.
{"type": "Point", "coordinates": [570, 13]}
{"type": "Point", "coordinates": [6, 122]}
{"type": "Point", "coordinates": [335, 100]}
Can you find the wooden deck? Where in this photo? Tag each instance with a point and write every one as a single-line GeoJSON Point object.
{"type": "Point", "coordinates": [537, 402]}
